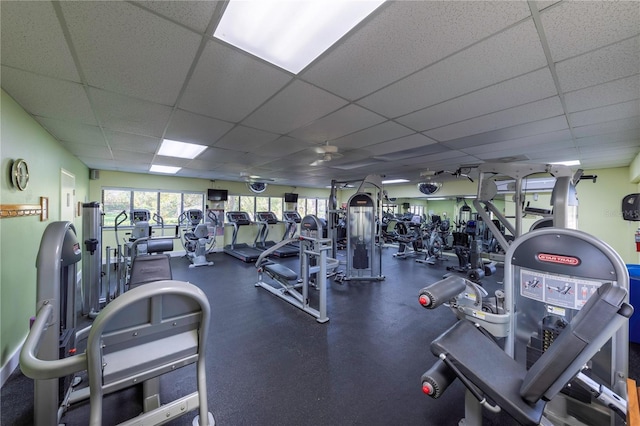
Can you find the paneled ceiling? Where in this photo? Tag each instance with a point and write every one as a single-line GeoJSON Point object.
{"type": "Point", "coordinates": [417, 86]}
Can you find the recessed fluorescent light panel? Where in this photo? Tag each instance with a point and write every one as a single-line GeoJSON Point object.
{"type": "Point", "coordinates": [170, 148]}
{"type": "Point", "coordinates": [391, 181]}
{"type": "Point", "coordinates": [171, 170]}
{"type": "Point", "coordinates": [287, 33]}
{"type": "Point", "coordinates": [568, 163]}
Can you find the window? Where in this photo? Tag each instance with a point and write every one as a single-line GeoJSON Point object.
{"type": "Point", "coordinates": [169, 205]}
{"type": "Point", "coordinates": [262, 204]}
{"type": "Point", "coordinates": [248, 204]}
{"type": "Point", "coordinates": [276, 207]}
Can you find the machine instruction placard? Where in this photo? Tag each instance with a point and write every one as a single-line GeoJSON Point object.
{"type": "Point", "coordinates": [557, 290]}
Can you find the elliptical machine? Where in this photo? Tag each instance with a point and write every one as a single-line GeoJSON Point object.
{"type": "Point", "coordinates": [198, 237]}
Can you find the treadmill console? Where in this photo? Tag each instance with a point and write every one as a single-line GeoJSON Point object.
{"type": "Point", "coordinates": [292, 216]}
{"type": "Point", "coordinates": [239, 218]}
{"type": "Point", "coordinates": [267, 217]}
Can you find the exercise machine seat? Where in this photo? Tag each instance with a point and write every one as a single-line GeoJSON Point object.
{"type": "Point", "coordinates": [279, 270]}
{"type": "Point", "coordinates": [150, 268]}
{"type": "Point", "coordinates": [143, 334]}
{"type": "Point", "coordinates": [480, 363]}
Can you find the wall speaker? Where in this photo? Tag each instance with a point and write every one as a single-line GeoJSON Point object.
{"type": "Point", "coordinates": [94, 174]}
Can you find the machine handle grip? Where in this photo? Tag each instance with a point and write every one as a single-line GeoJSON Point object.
{"type": "Point", "coordinates": [39, 369]}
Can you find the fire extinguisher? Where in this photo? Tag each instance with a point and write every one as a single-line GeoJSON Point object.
{"type": "Point", "coordinates": [638, 240]}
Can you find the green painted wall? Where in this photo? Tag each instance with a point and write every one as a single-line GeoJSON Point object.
{"type": "Point", "coordinates": [23, 137]}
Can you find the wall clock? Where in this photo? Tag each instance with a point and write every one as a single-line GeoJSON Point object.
{"type": "Point", "coordinates": [20, 174]}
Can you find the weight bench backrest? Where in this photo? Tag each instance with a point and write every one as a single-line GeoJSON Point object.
{"type": "Point", "coordinates": [598, 320]}
{"type": "Point", "coordinates": [144, 333]}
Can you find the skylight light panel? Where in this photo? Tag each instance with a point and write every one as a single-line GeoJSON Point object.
{"type": "Point", "coordinates": [170, 148]}
{"type": "Point", "coordinates": [392, 181]}
{"type": "Point", "coordinates": [171, 170]}
{"type": "Point", "coordinates": [568, 163]}
{"type": "Point", "coordinates": [287, 33]}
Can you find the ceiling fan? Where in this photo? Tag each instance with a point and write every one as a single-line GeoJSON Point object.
{"type": "Point", "coordinates": [326, 153]}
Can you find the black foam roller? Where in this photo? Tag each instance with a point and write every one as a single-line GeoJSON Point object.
{"type": "Point", "coordinates": [437, 379]}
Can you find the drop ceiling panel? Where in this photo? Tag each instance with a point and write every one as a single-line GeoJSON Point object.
{"type": "Point", "coordinates": [623, 138]}
{"type": "Point", "coordinates": [296, 105]}
{"type": "Point", "coordinates": [607, 127]}
{"type": "Point", "coordinates": [515, 151]}
{"type": "Point", "coordinates": [506, 55]}
{"type": "Point", "coordinates": [228, 84]}
{"type": "Point", "coordinates": [285, 146]}
{"type": "Point", "coordinates": [48, 97]}
{"type": "Point", "coordinates": [154, 67]}
{"type": "Point", "coordinates": [624, 89]}
{"type": "Point", "coordinates": [132, 143]}
{"type": "Point", "coordinates": [539, 110]}
{"type": "Point", "coordinates": [31, 39]}
{"type": "Point", "coordinates": [86, 150]}
{"type": "Point", "coordinates": [188, 127]}
{"type": "Point", "coordinates": [609, 63]}
{"type": "Point", "coordinates": [342, 122]}
{"type": "Point", "coordinates": [405, 37]}
{"type": "Point", "coordinates": [607, 113]}
{"type": "Point", "coordinates": [379, 133]}
{"type": "Point", "coordinates": [246, 139]}
{"type": "Point", "coordinates": [73, 132]}
{"type": "Point", "coordinates": [129, 115]}
{"type": "Point", "coordinates": [193, 14]}
{"type": "Point", "coordinates": [517, 91]}
{"type": "Point", "coordinates": [218, 155]}
{"type": "Point", "coordinates": [162, 160]}
{"type": "Point", "coordinates": [573, 28]}
{"type": "Point", "coordinates": [459, 156]}
{"type": "Point", "coordinates": [537, 127]}
{"type": "Point", "coordinates": [142, 157]}
{"type": "Point", "coordinates": [415, 140]}
{"type": "Point", "coordinates": [551, 154]}
{"type": "Point", "coordinates": [524, 144]}
{"type": "Point", "coordinates": [254, 160]}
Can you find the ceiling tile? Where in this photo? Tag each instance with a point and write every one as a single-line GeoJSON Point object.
{"type": "Point", "coordinates": [517, 91]}
{"type": "Point", "coordinates": [529, 143]}
{"type": "Point", "coordinates": [31, 39]}
{"type": "Point", "coordinates": [154, 67]}
{"type": "Point", "coordinates": [573, 28]}
{"type": "Point", "coordinates": [379, 133]}
{"type": "Point", "coordinates": [528, 129]}
{"type": "Point", "coordinates": [600, 66]}
{"type": "Point", "coordinates": [127, 155]}
{"type": "Point", "coordinates": [48, 97]}
{"type": "Point", "coordinates": [246, 139]}
{"type": "Point", "coordinates": [86, 150]}
{"type": "Point", "coordinates": [529, 151]}
{"type": "Point", "coordinates": [188, 127]}
{"type": "Point", "coordinates": [406, 36]}
{"type": "Point", "coordinates": [609, 93]}
{"type": "Point", "coordinates": [349, 119]}
{"type": "Point", "coordinates": [129, 115]}
{"type": "Point", "coordinates": [503, 56]}
{"type": "Point", "coordinates": [73, 132]}
{"type": "Point", "coordinates": [533, 111]}
{"type": "Point", "coordinates": [607, 127]}
{"type": "Point", "coordinates": [193, 14]}
{"type": "Point", "coordinates": [297, 105]}
{"type": "Point", "coordinates": [218, 155]}
{"type": "Point", "coordinates": [410, 142]}
{"type": "Point", "coordinates": [607, 113]}
{"type": "Point", "coordinates": [284, 146]}
{"type": "Point", "coordinates": [623, 138]}
{"type": "Point", "coordinates": [228, 84]}
{"type": "Point", "coordinates": [132, 143]}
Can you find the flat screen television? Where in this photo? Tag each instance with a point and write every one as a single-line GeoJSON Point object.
{"type": "Point", "coordinates": [290, 197]}
{"type": "Point", "coordinates": [217, 194]}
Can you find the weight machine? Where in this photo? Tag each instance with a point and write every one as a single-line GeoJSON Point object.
{"type": "Point", "coordinates": [364, 220]}
{"type": "Point", "coordinates": [313, 270]}
{"type": "Point", "coordinates": [564, 319]}
{"type": "Point", "coordinates": [143, 334]}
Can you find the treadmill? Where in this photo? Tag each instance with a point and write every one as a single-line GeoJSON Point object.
{"type": "Point", "coordinates": [241, 251]}
{"type": "Point", "coordinates": [265, 219]}
{"type": "Point", "coordinates": [292, 218]}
